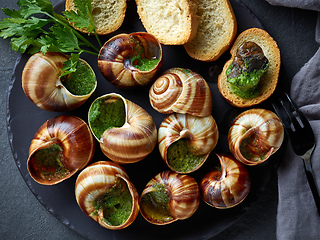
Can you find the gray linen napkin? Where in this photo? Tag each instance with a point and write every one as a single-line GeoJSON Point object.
{"type": "Point", "coordinates": [297, 216]}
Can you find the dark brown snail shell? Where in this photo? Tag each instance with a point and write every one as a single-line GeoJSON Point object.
{"type": "Point", "coordinates": [169, 197]}
{"type": "Point", "coordinates": [66, 137]}
{"type": "Point", "coordinates": [227, 187]}
{"type": "Point", "coordinates": [121, 59]}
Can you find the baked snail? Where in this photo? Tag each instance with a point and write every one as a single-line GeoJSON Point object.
{"type": "Point", "coordinates": [185, 141]}
{"type": "Point", "coordinates": [255, 135]}
{"type": "Point", "coordinates": [104, 193]}
{"type": "Point", "coordinates": [183, 91]}
{"type": "Point", "coordinates": [169, 197]}
{"type": "Point", "coordinates": [130, 60]}
{"type": "Point", "coordinates": [125, 131]}
{"type": "Point", "coordinates": [226, 187]}
{"type": "Point", "coordinates": [61, 146]}
{"type": "Point", "coordinates": [42, 84]}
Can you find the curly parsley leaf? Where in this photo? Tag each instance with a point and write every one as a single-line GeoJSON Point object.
{"type": "Point", "coordinates": [70, 65]}
{"type": "Point", "coordinates": [82, 18]}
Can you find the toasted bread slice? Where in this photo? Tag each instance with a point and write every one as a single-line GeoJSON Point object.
{"type": "Point", "coordinates": [270, 78]}
{"type": "Point", "coordinates": [216, 31]}
{"type": "Point", "coordinates": [108, 15]}
{"type": "Point", "coordinates": [172, 22]}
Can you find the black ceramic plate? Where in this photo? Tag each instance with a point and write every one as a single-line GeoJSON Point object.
{"type": "Point", "coordinates": [24, 119]}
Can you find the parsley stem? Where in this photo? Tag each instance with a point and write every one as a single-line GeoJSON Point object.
{"type": "Point", "coordinates": [93, 53]}
{"type": "Point", "coordinates": [83, 39]}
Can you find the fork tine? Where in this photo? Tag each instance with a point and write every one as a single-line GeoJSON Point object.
{"type": "Point", "coordinates": [289, 112]}
{"type": "Point", "coordinates": [282, 118]}
{"type": "Point", "coordinates": [302, 117]}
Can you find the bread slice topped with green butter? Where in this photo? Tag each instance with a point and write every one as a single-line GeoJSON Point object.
{"type": "Point", "coordinates": [108, 15]}
{"type": "Point", "coordinates": [172, 22]}
{"type": "Point", "coordinates": [216, 31]}
{"type": "Point", "coordinates": [238, 85]}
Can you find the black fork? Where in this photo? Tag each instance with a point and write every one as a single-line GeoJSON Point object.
{"type": "Point", "coordinates": [301, 137]}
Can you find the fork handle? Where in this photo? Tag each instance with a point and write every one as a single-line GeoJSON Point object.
{"type": "Point", "coordinates": [312, 183]}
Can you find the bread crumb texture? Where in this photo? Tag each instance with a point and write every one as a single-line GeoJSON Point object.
{"type": "Point", "coordinates": [108, 15]}
{"type": "Point", "coordinates": [216, 30]}
{"type": "Point", "coordinates": [171, 21]}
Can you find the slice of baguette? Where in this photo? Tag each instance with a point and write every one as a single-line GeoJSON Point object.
{"type": "Point", "coordinates": [108, 15]}
{"type": "Point", "coordinates": [216, 31]}
{"type": "Point", "coordinates": [268, 81]}
{"type": "Point", "coordinates": [172, 22]}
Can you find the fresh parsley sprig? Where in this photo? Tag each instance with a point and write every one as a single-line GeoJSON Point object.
{"type": "Point", "coordinates": [82, 18]}
{"type": "Point", "coordinates": [37, 27]}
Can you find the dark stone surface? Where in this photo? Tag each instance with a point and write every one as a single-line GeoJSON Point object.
{"type": "Point", "coordinates": [23, 217]}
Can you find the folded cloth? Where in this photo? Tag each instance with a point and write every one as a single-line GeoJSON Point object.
{"type": "Point", "coordinates": [305, 4]}
{"type": "Point", "coordinates": [297, 216]}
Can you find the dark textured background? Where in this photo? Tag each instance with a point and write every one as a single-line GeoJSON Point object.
{"type": "Point", "coordinates": [23, 217]}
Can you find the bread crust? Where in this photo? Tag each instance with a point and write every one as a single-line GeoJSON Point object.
{"type": "Point", "coordinates": [172, 22]}
{"type": "Point", "coordinates": [105, 22]}
{"type": "Point", "coordinates": [269, 80]}
{"type": "Point", "coordinates": [216, 31]}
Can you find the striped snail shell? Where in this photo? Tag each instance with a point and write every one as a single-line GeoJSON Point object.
{"type": "Point", "coordinates": [130, 60]}
{"type": "Point", "coordinates": [255, 135]}
{"type": "Point", "coordinates": [103, 181]}
{"type": "Point", "coordinates": [61, 146]}
{"type": "Point", "coordinates": [185, 141]}
{"type": "Point", "coordinates": [42, 84]}
{"type": "Point", "coordinates": [126, 132]}
{"type": "Point", "coordinates": [169, 197]}
{"type": "Point", "coordinates": [183, 91]}
{"type": "Point", "coordinates": [227, 187]}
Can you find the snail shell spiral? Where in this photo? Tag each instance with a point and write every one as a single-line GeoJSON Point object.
{"type": "Point", "coordinates": [255, 135]}
{"type": "Point", "coordinates": [200, 133]}
{"type": "Point", "coordinates": [168, 197]}
{"type": "Point", "coordinates": [42, 85]}
{"type": "Point", "coordinates": [227, 187]}
{"type": "Point", "coordinates": [98, 180]}
{"type": "Point", "coordinates": [131, 141]}
{"type": "Point", "coordinates": [116, 56]}
{"type": "Point", "coordinates": [183, 91]}
{"type": "Point", "coordinates": [66, 137]}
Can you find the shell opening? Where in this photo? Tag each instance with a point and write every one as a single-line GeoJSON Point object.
{"type": "Point", "coordinates": [82, 81]}
{"type": "Point", "coordinates": [146, 54]}
{"type": "Point", "coordinates": [48, 163]}
{"type": "Point", "coordinates": [253, 147]}
{"type": "Point", "coordinates": [115, 206]}
{"type": "Point", "coordinates": [105, 113]}
{"type": "Point", "coordinates": [182, 157]}
{"type": "Point", "coordinates": [154, 205]}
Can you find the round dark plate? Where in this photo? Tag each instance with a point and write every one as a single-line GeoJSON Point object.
{"type": "Point", "coordinates": [24, 119]}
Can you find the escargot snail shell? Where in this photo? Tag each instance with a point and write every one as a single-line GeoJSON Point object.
{"type": "Point", "coordinates": [132, 141]}
{"type": "Point", "coordinates": [200, 132]}
{"type": "Point", "coordinates": [255, 135]}
{"type": "Point", "coordinates": [42, 85]}
{"type": "Point", "coordinates": [181, 90]}
{"type": "Point", "coordinates": [115, 59]}
{"type": "Point", "coordinates": [96, 180]}
{"type": "Point", "coordinates": [227, 187]}
{"type": "Point", "coordinates": [182, 196]}
{"type": "Point", "coordinates": [69, 133]}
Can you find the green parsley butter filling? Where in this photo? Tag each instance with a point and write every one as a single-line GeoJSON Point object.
{"type": "Point", "coordinates": [116, 204]}
{"type": "Point", "coordinates": [106, 113]}
{"type": "Point", "coordinates": [181, 156]}
{"type": "Point", "coordinates": [81, 82]}
{"type": "Point", "coordinates": [139, 59]}
{"type": "Point", "coordinates": [48, 162]}
{"type": "Point", "coordinates": [155, 204]}
{"type": "Point", "coordinates": [246, 70]}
